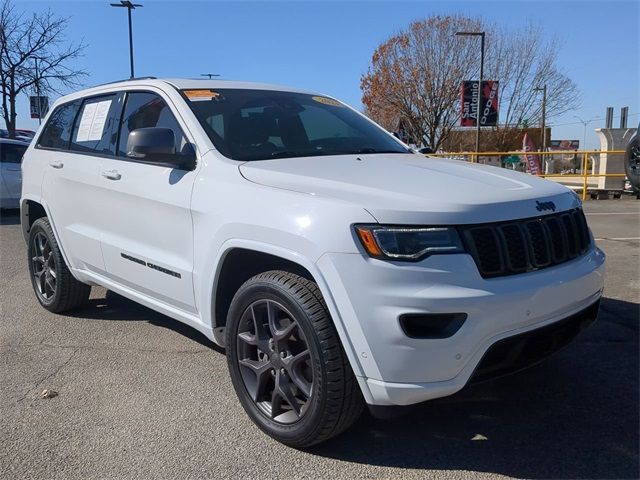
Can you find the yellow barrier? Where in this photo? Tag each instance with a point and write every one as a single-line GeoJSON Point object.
{"type": "Point", "coordinates": [585, 175]}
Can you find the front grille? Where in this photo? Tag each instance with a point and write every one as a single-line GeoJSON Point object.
{"type": "Point", "coordinates": [508, 248]}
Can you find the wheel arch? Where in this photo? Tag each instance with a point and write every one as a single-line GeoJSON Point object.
{"type": "Point", "coordinates": [237, 265]}
{"type": "Point", "coordinates": [287, 259]}
{"type": "Point", "coordinates": [30, 211]}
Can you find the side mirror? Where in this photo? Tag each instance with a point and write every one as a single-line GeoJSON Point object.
{"type": "Point", "coordinates": [157, 145]}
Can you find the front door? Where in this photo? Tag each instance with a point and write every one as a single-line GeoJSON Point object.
{"type": "Point", "coordinates": [147, 232]}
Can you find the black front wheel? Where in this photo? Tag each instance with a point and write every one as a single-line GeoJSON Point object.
{"type": "Point", "coordinates": [632, 161]}
{"type": "Point", "coordinates": [286, 361]}
{"type": "Point", "coordinates": [55, 287]}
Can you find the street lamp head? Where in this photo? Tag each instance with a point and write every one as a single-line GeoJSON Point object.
{"type": "Point", "coordinates": [477, 34]}
{"type": "Point", "coordinates": [126, 4]}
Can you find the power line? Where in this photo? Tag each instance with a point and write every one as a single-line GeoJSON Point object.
{"type": "Point", "coordinates": [593, 119]}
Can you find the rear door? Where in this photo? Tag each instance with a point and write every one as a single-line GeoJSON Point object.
{"type": "Point", "coordinates": [76, 137]}
{"type": "Point", "coordinates": [11, 172]}
{"type": "Point", "coordinates": [147, 239]}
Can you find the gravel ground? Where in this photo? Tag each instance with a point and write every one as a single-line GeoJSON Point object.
{"type": "Point", "coordinates": [142, 396]}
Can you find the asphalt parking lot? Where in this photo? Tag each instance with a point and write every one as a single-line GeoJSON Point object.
{"type": "Point", "coordinates": [142, 396]}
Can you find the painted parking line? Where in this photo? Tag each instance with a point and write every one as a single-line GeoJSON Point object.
{"type": "Point", "coordinates": [613, 213]}
{"type": "Point", "coordinates": [618, 238]}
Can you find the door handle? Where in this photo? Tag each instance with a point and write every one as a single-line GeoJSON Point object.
{"type": "Point", "coordinates": [112, 174]}
{"type": "Point", "coordinates": [56, 164]}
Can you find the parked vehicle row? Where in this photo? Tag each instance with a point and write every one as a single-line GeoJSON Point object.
{"type": "Point", "coordinates": [336, 266]}
{"type": "Point", "coordinates": [11, 152]}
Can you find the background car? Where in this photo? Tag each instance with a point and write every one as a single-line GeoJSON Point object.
{"type": "Point", "coordinates": [632, 161]}
{"type": "Point", "coordinates": [22, 135]}
{"type": "Point", "coordinates": [11, 152]}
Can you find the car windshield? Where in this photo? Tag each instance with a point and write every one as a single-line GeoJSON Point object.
{"type": "Point", "coordinates": [264, 124]}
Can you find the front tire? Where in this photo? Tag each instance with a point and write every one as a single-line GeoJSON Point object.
{"type": "Point", "coordinates": [286, 362]}
{"type": "Point", "coordinates": [55, 287]}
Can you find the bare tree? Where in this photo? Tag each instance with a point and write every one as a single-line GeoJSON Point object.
{"type": "Point", "coordinates": [416, 74]}
{"type": "Point", "coordinates": [25, 40]}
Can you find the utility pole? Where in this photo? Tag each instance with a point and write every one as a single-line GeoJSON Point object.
{"type": "Point", "coordinates": [129, 6]}
{"type": "Point", "coordinates": [480, 102]}
{"type": "Point", "coordinates": [543, 89]}
{"type": "Point", "coordinates": [38, 92]}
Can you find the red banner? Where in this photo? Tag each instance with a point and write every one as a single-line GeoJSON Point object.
{"type": "Point", "coordinates": [532, 162]}
{"type": "Point", "coordinates": [469, 103]}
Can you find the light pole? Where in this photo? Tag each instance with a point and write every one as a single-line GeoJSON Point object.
{"type": "Point", "coordinates": [209, 75]}
{"type": "Point", "coordinates": [38, 91]}
{"type": "Point", "coordinates": [129, 6]}
{"type": "Point", "coordinates": [480, 103]}
{"type": "Point", "coordinates": [584, 124]}
{"type": "Point", "coordinates": [543, 89]}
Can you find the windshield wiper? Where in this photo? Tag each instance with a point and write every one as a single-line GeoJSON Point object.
{"type": "Point", "coordinates": [373, 150]}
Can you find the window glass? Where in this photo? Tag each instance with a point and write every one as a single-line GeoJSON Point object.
{"type": "Point", "coordinates": [143, 110]}
{"type": "Point", "coordinates": [249, 125]}
{"type": "Point", "coordinates": [57, 131]}
{"type": "Point", "coordinates": [12, 153]}
{"type": "Point", "coordinates": [94, 130]}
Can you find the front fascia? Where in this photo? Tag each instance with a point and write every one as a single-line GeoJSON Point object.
{"type": "Point", "coordinates": [371, 295]}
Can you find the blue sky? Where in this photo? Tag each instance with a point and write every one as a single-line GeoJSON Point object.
{"type": "Point", "coordinates": [326, 45]}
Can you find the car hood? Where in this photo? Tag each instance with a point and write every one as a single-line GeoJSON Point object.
{"type": "Point", "coordinates": [405, 188]}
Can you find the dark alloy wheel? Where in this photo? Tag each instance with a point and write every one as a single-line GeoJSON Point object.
{"type": "Point", "coordinates": [286, 361]}
{"type": "Point", "coordinates": [274, 361]}
{"type": "Point", "coordinates": [55, 287]}
{"type": "Point", "coordinates": [632, 161]}
{"type": "Point", "coordinates": [43, 265]}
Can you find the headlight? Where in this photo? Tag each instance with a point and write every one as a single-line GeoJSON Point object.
{"type": "Point", "coordinates": [408, 243]}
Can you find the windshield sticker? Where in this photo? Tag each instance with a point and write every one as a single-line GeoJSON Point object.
{"type": "Point", "coordinates": [328, 101]}
{"type": "Point", "coordinates": [94, 116]}
{"type": "Point", "coordinates": [199, 95]}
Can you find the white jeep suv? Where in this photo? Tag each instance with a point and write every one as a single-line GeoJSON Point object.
{"type": "Point", "coordinates": [337, 267]}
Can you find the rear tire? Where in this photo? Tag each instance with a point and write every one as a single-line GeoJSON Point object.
{"type": "Point", "coordinates": [286, 315]}
{"type": "Point", "coordinates": [55, 287]}
{"type": "Point", "coordinates": [632, 162]}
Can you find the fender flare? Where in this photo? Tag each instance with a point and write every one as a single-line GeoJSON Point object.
{"type": "Point", "coordinates": [301, 260]}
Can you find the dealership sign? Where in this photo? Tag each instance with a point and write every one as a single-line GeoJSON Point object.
{"type": "Point", "coordinates": [38, 111]}
{"type": "Point", "coordinates": [531, 161]}
{"type": "Point", "coordinates": [469, 94]}
{"type": "Point", "coordinates": [564, 145]}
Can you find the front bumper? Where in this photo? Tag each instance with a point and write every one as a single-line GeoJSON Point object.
{"type": "Point", "coordinates": [370, 296]}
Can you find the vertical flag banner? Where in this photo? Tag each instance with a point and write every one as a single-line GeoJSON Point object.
{"type": "Point", "coordinates": [469, 96]}
{"type": "Point", "coordinates": [533, 166]}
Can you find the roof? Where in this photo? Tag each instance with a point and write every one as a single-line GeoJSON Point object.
{"type": "Point", "coordinates": [13, 141]}
{"type": "Point", "coordinates": [179, 83]}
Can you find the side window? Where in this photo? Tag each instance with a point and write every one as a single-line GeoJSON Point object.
{"type": "Point", "coordinates": [95, 129]}
{"type": "Point", "coordinates": [11, 153]}
{"type": "Point", "coordinates": [143, 110]}
{"type": "Point", "coordinates": [57, 131]}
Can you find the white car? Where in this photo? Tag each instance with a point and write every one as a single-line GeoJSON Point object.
{"type": "Point", "coordinates": [11, 152]}
{"type": "Point", "coordinates": [337, 267]}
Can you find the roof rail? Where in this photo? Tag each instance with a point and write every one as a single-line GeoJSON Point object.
{"type": "Point", "coordinates": [126, 80]}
